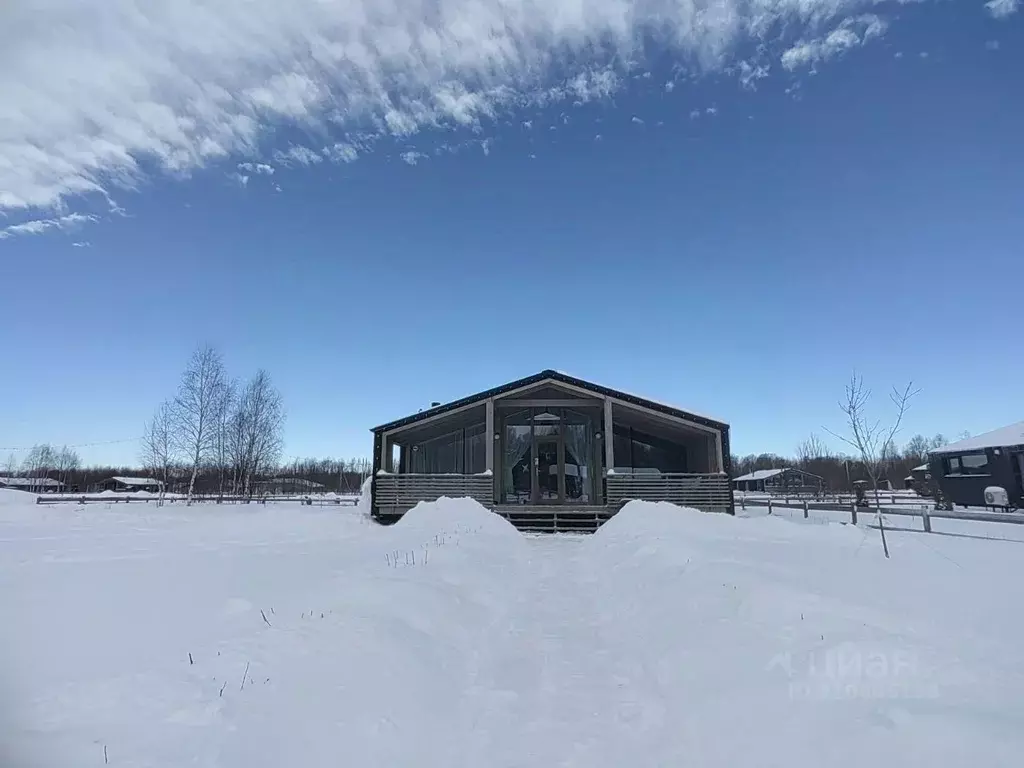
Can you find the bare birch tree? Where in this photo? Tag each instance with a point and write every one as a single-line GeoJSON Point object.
{"type": "Point", "coordinates": [196, 408]}
{"type": "Point", "coordinates": [874, 442]}
{"type": "Point", "coordinates": [255, 431]}
{"type": "Point", "coordinates": [224, 410]}
{"type": "Point", "coordinates": [158, 446]}
{"type": "Point", "coordinates": [66, 461]}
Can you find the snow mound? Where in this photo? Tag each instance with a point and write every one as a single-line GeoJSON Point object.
{"type": "Point", "coordinates": [643, 519]}
{"type": "Point", "coordinates": [462, 514]}
{"type": "Point", "coordinates": [363, 505]}
{"type": "Point", "coordinates": [9, 496]}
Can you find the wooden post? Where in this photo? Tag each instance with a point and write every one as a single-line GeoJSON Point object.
{"type": "Point", "coordinates": [609, 441]}
{"type": "Point", "coordinates": [927, 520]}
{"type": "Point", "coordinates": [853, 511]}
{"type": "Point", "coordinates": [743, 501]}
{"type": "Point", "coordinates": [769, 505]}
{"type": "Point", "coordinates": [805, 509]}
{"type": "Point", "coordinates": [489, 429]}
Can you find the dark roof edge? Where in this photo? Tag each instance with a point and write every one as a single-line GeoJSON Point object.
{"type": "Point", "coordinates": [555, 376]}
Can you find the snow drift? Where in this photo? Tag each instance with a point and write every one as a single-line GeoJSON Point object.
{"type": "Point", "coordinates": [286, 635]}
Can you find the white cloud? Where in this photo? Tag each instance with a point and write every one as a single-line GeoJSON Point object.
{"type": "Point", "coordinates": [712, 110]}
{"type": "Point", "coordinates": [342, 152]}
{"type": "Point", "coordinates": [1000, 9]}
{"type": "Point", "coordinates": [39, 226]}
{"type": "Point", "coordinates": [189, 82]}
{"type": "Point", "coordinates": [257, 168]}
{"type": "Point", "coordinates": [851, 33]}
{"type": "Point", "coordinates": [527, 124]}
{"type": "Point", "coordinates": [298, 155]}
{"type": "Point", "coordinates": [485, 146]}
{"type": "Point", "coordinates": [670, 86]}
{"type": "Point", "coordinates": [82, 244]}
{"type": "Point", "coordinates": [694, 114]}
{"type": "Point", "coordinates": [412, 157]}
{"type": "Point", "coordinates": [241, 178]}
{"type": "Point", "coordinates": [751, 73]}
{"type": "Point", "coordinates": [992, 45]}
{"type": "Point", "coordinates": [636, 120]}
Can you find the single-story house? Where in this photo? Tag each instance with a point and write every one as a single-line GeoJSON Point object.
{"type": "Point", "coordinates": [547, 442]}
{"type": "Point", "coordinates": [965, 469]}
{"type": "Point", "coordinates": [780, 481]}
{"type": "Point", "coordinates": [287, 486]}
{"type": "Point", "coordinates": [128, 484]}
{"type": "Point", "coordinates": [32, 484]}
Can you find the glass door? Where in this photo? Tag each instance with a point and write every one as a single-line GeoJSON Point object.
{"type": "Point", "coordinates": [547, 456]}
{"type": "Point", "coordinates": [548, 463]}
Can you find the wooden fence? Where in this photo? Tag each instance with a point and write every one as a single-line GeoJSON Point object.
{"type": "Point", "coordinates": [924, 512]}
{"type": "Point", "coordinates": [344, 501]}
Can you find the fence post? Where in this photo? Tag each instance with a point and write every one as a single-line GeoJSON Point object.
{"type": "Point", "coordinates": [769, 505]}
{"type": "Point", "coordinates": [743, 501]}
{"type": "Point", "coordinates": [927, 521]}
{"type": "Point", "coordinates": [853, 511]}
{"type": "Point", "coordinates": [805, 509]}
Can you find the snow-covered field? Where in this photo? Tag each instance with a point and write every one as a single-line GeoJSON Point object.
{"type": "Point", "coordinates": [669, 638]}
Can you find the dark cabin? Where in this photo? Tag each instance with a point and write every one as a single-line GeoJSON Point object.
{"type": "Point", "coordinates": [965, 469]}
{"type": "Point", "coordinates": [551, 445]}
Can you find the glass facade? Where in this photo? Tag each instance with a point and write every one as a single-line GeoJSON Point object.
{"type": "Point", "coordinates": [458, 452]}
{"type": "Point", "coordinates": [548, 456]}
{"type": "Point", "coordinates": [639, 452]}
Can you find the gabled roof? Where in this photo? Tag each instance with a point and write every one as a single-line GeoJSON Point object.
{"type": "Point", "coordinates": [30, 482]}
{"type": "Point", "coordinates": [764, 474]}
{"type": "Point", "coordinates": [997, 438]}
{"type": "Point", "coordinates": [555, 376]}
{"type": "Point", "coordinates": [136, 480]}
{"type": "Point", "coordinates": [760, 474]}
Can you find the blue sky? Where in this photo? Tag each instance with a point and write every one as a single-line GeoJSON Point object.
{"type": "Point", "coordinates": [729, 211]}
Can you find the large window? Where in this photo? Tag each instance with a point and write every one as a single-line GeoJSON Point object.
{"type": "Point", "coordinates": [639, 452]}
{"type": "Point", "coordinates": [459, 452]}
{"type": "Point", "coordinates": [969, 464]}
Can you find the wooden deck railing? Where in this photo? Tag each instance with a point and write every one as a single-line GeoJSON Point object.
{"type": "Point", "coordinates": [401, 492]}
{"type": "Point", "coordinates": [706, 492]}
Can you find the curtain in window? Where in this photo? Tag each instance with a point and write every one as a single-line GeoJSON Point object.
{"type": "Point", "coordinates": [518, 440]}
{"type": "Point", "coordinates": [577, 458]}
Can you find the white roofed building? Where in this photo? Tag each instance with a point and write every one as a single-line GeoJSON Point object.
{"type": "Point", "coordinates": [32, 484]}
{"type": "Point", "coordinates": [785, 480]}
{"type": "Point", "coordinates": [131, 484]}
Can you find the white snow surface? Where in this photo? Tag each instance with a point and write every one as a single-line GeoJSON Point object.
{"type": "Point", "coordinates": [669, 638]}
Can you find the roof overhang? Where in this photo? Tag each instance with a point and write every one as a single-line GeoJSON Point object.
{"type": "Point", "coordinates": [585, 388]}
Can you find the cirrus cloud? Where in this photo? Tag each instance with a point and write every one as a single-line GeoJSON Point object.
{"type": "Point", "coordinates": [191, 82]}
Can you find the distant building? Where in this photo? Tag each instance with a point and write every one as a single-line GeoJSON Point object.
{"type": "Point", "coordinates": [130, 484]}
{"type": "Point", "coordinates": [32, 484]}
{"type": "Point", "coordinates": [287, 486]}
{"type": "Point", "coordinates": [780, 481]}
{"type": "Point", "coordinates": [993, 460]}
{"type": "Point", "coordinates": [919, 480]}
